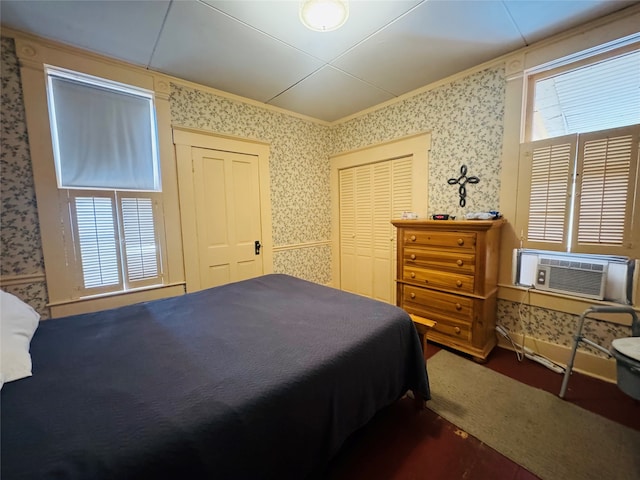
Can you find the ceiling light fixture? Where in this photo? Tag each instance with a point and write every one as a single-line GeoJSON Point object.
{"type": "Point", "coordinates": [324, 15]}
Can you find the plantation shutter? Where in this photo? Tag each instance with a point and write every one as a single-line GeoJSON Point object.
{"type": "Point", "coordinates": [102, 222]}
{"type": "Point", "coordinates": [601, 212]}
{"type": "Point", "coordinates": [96, 241]}
{"type": "Point", "coordinates": [142, 254]}
{"type": "Point", "coordinates": [607, 163]}
{"type": "Point", "coordinates": [550, 172]}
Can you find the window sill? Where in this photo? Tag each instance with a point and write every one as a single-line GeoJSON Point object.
{"type": "Point", "coordinates": [115, 299]}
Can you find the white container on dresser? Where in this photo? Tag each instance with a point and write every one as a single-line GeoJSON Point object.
{"type": "Point", "coordinates": [447, 273]}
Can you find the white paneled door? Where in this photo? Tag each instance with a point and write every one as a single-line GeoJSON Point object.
{"type": "Point", "coordinates": [226, 191]}
{"type": "Point", "coordinates": [370, 196]}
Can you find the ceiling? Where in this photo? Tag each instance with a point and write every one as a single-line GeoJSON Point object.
{"type": "Point", "coordinates": [260, 50]}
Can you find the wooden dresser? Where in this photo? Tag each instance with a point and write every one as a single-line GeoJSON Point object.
{"type": "Point", "coordinates": [447, 272]}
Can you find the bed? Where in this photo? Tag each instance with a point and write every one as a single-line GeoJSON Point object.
{"type": "Point", "coordinates": [263, 378]}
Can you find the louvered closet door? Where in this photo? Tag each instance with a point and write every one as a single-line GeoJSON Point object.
{"type": "Point", "coordinates": [370, 196]}
{"type": "Point", "coordinates": [382, 239]}
{"type": "Point", "coordinates": [347, 230]}
{"type": "Point", "coordinates": [364, 230]}
{"type": "Point", "coordinates": [402, 201]}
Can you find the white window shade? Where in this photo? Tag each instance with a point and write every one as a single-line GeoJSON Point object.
{"type": "Point", "coordinates": [103, 137]}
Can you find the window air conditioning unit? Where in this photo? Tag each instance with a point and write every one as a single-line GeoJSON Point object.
{"type": "Point", "coordinates": [574, 276]}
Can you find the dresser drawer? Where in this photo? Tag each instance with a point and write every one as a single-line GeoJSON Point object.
{"type": "Point", "coordinates": [436, 279]}
{"type": "Point", "coordinates": [454, 261]}
{"type": "Point", "coordinates": [437, 305]}
{"type": "Point", "coordinates": [454, 240]}
{"type": "Point", "coordinates": [456, 329]}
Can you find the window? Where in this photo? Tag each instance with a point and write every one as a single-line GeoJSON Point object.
{"type": "Point", "coordinates": [585, 98]}
{"type": "Point", "coordinates": [578, 177]}
{"type": "Point", "coordinates": [107, 171]}
{"type": "Point", "coordinates": [581, 191]}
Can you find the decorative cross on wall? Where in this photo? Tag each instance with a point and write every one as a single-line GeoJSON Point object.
{"type": "Point", "coordinates": [462, 180]}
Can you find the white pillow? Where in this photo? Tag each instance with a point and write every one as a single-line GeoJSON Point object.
{"type": "Point", "coordinates": [18, 323]}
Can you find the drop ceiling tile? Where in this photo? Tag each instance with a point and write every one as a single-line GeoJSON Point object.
{"type": "Point", "coordinates": [126, 30]}
{"type": "Point", "coordinates": [537, 21]}
{"type": "Point", "coordinates": [203, 45]}
{"type": "Point", "coordinates": [329, 95]}
{"type": "Point", "coordinates": [281, 19]}
{"type": "Point", "coordinates": [438, 39]}
{"type": "Point", "coordinates": [259, 50]}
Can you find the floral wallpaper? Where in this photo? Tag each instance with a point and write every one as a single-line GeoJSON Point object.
{"type": "Point", "coordinates": [300, 190]}
{"type": "Point", "coordinates": [465, 121]}
{"type": "Point", "coordinates": [557, 327]}
{"type": "Point", "coordinates": [309, 263]}
{"type": "Point", "coordinates": [20, 246]}
{"type": "Point", "coordinates": [464, 118]}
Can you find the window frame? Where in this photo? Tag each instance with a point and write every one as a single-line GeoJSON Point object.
{"type": "Point", "coordinates": [73, 244]}
{"type": "Point", "coordinates": [91, 81]}
{"type": "Point", "coordinates": [55, 231]}
{"type": "Point", "coordinates": [563, 63]}
{"type": "Point", "coordinates": [615, 29]}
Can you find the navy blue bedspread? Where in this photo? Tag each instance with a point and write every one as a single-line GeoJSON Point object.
{"type": "Point", "coordinates": [263, 378]}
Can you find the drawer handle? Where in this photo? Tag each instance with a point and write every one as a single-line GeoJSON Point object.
{"type": "Point", "coordinates": [412, 295]}
{"type": "Point", "coordinates": [457, 330]}
{"type": "Point", "coordinates": [459, 263]}
{"type": "Point", "coordinates": [458, 306]}
{"type": "Point", "coordinates": [412, 238]}
{"type": "Point", "coordinates": [459, 283]}
{"type": "Point", "coordinates": [460, 241]}
{"type": "Point", "coordinates": [413, 256]}
{"type": "Point", "coordinates": [426, 281]}
{"type": "Point", "coordinates": [413, 275]}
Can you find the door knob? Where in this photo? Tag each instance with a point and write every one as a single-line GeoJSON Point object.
{"type": "Point", "coordinates": [258, 245]}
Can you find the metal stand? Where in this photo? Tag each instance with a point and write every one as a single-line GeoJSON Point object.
{"type": "Point", "coordinates": [578, 337]}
